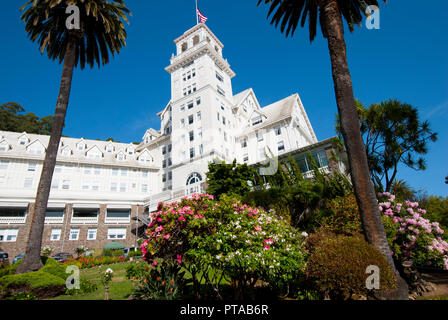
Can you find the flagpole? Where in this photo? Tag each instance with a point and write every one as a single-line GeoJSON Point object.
{"type": "Point", "coordinates": [197, 17]}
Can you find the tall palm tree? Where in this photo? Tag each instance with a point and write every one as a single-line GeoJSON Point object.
{"type": "Point", "coordinates": [101, 30]}
{"type": "Point", "coordinates": [330, 14]}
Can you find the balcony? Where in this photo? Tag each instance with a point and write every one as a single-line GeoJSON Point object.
{"type": "Point", "coordinates": [85, 216]}
{"type": "Point", "coordinates": [8, 220]}
{"type": "Point", "coordinates": [84, 220]}
{"type": "Point", "coordinates": [54, 220]}
{"type": "Point", "coordinates": [118, 220]}
{"type": "Point", "coordinates": [310, 174]}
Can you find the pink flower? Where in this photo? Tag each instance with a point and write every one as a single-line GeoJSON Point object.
{"type": "Point", "coordinates": [257, 228]}
{"type": "Point", "coordinates": [268, 241]}
{"type": "Point", "coordinates": [154, 264]}
{"type": "Point", "coordinates": [179, 259]}
{"type": "Point", "coordinates": [266, 247]}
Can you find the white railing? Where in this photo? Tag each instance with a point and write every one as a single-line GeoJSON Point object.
{"type": "Point", "coordinates": [84, 220]}
{"type": "Point", "coordinates": [12, 220]}
{"type": "Point", "coordinates": [115, 220]}
{"type": "Point", "coordinates": [54, 220]}
{"type": "Point", "coordinates": [164, 196]}
{"type": "Point", "coordinates": [310, 174]}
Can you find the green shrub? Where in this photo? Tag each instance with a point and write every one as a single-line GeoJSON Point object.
{"type": "Point", "coordinates": [137, 253]}
{"type": "Point", "coordinates": [113, 253]}
{"type": "Point", "coordinates": [161, 283]}
{"type": "Point", "coordinates": [85, 287]}
{"type": "Point", "coordinates": [337, 267]}
{"type": "Point", "coordinates": [136, 270]}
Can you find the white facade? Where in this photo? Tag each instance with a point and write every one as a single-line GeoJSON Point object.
{"type": "Point", "coordinates": [202, 122]}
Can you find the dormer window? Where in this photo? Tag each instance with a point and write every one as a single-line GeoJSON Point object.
{"type": "Point", "coordinates": [36, 148]}
{"type": "Point", "coordinates": [23, 140]}
{"type": "Point", "coordinates": [67, 152]}
{"type": "Point", "coordinates": [94, 153]}
{"type": "Point", "coordinates": [121, 157]}
{"type": "Point", "coordinates": [257, 120]}
{"type": "Point", "coordinates": [4, 146]}
{"type": "Point", "coordinates": [81, 146]}
{"type": "Point", "coordinates": [130, 151]}
{"type": "Point", "coordinates": [110, 148]}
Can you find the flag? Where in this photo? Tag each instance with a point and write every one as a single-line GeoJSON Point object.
{"type": "Point", "coordinates": [202, 18]}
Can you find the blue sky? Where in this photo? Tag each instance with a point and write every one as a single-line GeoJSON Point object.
{"type": "Point", "coordinates": [407, 59]}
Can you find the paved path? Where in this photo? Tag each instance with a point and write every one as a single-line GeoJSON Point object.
{"type": "Point", "coordinates": [441, 282]}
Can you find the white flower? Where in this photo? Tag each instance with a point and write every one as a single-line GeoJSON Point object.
{"type": "Point", "coordinates": [109, 270]}
{"type": "Point", "coordinates": [218, 257]}
{"type": "Point", "coordinates": [304, 234]}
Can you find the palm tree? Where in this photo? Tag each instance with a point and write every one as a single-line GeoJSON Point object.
{"type": "Point", "coordinates": [330, 14]}
{"type": "Point", "coordinates": [101, 30]}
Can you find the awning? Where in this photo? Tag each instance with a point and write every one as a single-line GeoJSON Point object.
{"type": "Point", "coordinates": [114, 245]}
{"type": "Point", "coordinates": [119, 206]}
{"type": "Point", "coordinates": [55, 205]}
{"type": "Point", "coordinates": [86, 206]}
{"type": "Point", "coordinates": [14, 204]}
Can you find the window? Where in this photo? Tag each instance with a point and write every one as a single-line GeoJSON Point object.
{"type": "Point", "coordinates": [182, 123]}
{"type": "Point", "coordinates": [281, 146]}
{"type": "Point", "coordinates": [191, 135]}
{"type": "Point", "coordinates": [113, 187]}
{"type": "Point", "coordinates": [246, 158]}
{"type": "Point", "coordinates": [97, 171]}
{"type": "Point", "coordinates": [198, 101]}
{"type": "Point", "coordinates": [122, 187]}
{"type": "Point", "coordinates": [170, 176]}
{"type": "Point", "coordinates": [55, 184]}
{"type": "Point", "coordinates": [170, 148]}
{"type": "Point", "coordinates": [218, 116]}
{"type": "Point", "coordinates": [74, 234]}
{"type": "Point", "coordinates": [191, 153]}
{"type": "Point", "coordinates": [194, 183]}
{"type": "Point", "coordinates": [23, 141]}
{"type": "Point", "coordinates": [91, 234]}
{"type": "Point", "coordinates": [244, 143]}
{"type": "Point", "coordinates": [219, 77]}
{"type": "Point", "coordinates": [124, 172]}
{"type": "Point", "coordinates": [65, 184]}
{"type": "Point", "coordinates": [32, 166]}
{"type": "Point", "coordinates": [114, 172]}
{"type": "Point", "coordinates": [81, 147]}
{"type": "Point", "coordinates": [190, 105]}
{"type": "Point", "coordinates": [145, 174]}
{"type": "Point", "coordinates": [28, 184]}
{"type": "Point", "coordinates": [116, 233]}
{"type": "Point", "coordinates": [164, 150]}
{"type": "Point", "coordinates": [200, 132]}
{"type": "Point", "coordinates": [278, 131]}
{"type": "Point", "coordinates": [261, 153]}
{"type": "Point", "coordinates": [164, 164]}
{"type": "Point", "coordinates": [182, 108]}
{"type": "Point", "coordinates": [164, 178]}
{"type": "Point", "coordinates": [257, 120]}
{"type": "Point", "coordinates": [259, 137]}
{"type": "Point", "coordinates": [190, 119]}
{"type": "Point", "coordinates": [144, 188]}
{"type": "Point", "coordinates": [221, 92]}
{"type": "Point", "coordinates": [4, 164]}
{"type": "Point", "coordinates": [170, 162]}
{"type": "Point", "coordinates": [55, 234]}
{"type": "Point", "coordinates": [121, 157]}
{"type": "Point", "coordinates": [8, 235]}
{"type": "Point", "coordinates": [199, 116]}
{"type": "Point", "coordinates": [201, 149]}
{"type": "Point", "coordinates": [110, 149]}
{"type": "Point", "coordinates": [225, 136]}
{"type": "Point", "coordinates": [95, 186]}
{"type": "Point", "coordinates": [4, 146]}
{"type": "Point", "coordinates": [183, 155]}
{"type": "Point", "coordinates": [87, 170]}
{"type": "Point", "coordinates": [224, 120]}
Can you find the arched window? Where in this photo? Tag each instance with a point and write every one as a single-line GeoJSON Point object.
{"type": "Point", "coordinates": [194, 182]}
{"type": "Point", "coordinates": [184, 46]}
{"type": "Point", "coordinates": [195, 40]}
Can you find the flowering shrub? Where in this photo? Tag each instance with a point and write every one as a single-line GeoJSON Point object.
{"type": "Point", "coordinates": [239, 243]}
{"type": "Point", "coordinates": [90, 262]}
{"type": "Point", "coordinates": [411, 235]}
{"type": "Point", "coordinates": [342, 216]}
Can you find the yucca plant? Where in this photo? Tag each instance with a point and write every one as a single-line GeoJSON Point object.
{"type": "Point", "coordinates": [330, 15]}
{"type": "Point", "coordinates": [101, 32]}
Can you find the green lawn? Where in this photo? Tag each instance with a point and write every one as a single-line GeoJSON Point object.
{"type": "Point", "coordinates": [119, 289]}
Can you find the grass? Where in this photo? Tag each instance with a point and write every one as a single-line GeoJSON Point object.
{"type": "Point", "coordinates": [120, 287]}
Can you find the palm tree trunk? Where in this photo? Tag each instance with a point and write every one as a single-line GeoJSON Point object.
{"type": "Point", "coordinates": [31, 261]}
{"type": "Point", "coordinates": [362, 183]}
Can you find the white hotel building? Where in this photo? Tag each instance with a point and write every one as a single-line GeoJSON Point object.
{"type": "Point", "coordinates": [99, 186]}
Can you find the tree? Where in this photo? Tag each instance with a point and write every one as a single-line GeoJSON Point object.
{"type": "Point", "coordinates": [231, 179]}
{"type": "Point", "coordinates": [393, 134]}
{"type": "Point", "coordinates": [402, 190]}
{"type": "Point", "coordinates": [101, 30]}
{"type": "Point", "coordinates": [12, 119]}
{"type": "Point", "coordinates": [330, 14]}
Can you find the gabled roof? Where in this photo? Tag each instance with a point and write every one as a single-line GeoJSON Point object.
{"type": "Point", "coordinates": [242, 96]}
{"type": "Point", "coordinates": [161, 113]}
{"type": "Point", "coordinates": [35, 141]}
{"type": "Point", "coordinates": [94, 147]}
